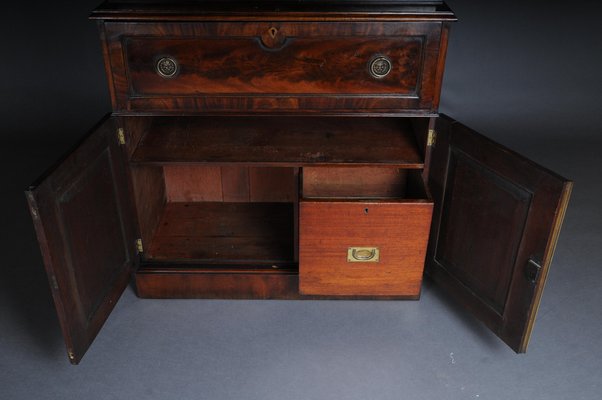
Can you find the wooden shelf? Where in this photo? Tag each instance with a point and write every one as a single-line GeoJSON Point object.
{"type": "Point", "coordinates": [279, 141]}
{"type": "Point", "coordinates": [217, 232]}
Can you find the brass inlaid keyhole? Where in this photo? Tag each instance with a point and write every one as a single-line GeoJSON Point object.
{"type": "Point", "coordinates": [273, 38]}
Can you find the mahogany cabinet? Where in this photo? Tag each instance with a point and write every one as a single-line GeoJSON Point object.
{"type": "Point", "coordinates": [274, 150]}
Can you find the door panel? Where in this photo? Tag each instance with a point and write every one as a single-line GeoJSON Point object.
{"type": "Point", "coordinates": [82, 213]}
{"type": "Point", "coordinates": [497, 218]}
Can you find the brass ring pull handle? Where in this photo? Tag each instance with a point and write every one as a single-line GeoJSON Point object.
{"type": "Point", "coordinates": [167, 67]}
{"type": "Point", "coordinates": [379, 66]}
{"type": "Point", "coordinates": [363, 254]}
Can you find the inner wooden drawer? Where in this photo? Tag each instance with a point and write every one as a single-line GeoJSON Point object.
{"type": "Point", "coordinates": [374, 182]}
{"type": "Point", "coordinates": [370, 246]}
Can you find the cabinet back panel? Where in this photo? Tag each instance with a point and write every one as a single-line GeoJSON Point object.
{"type": "Point", "coordinates": [185, 183]}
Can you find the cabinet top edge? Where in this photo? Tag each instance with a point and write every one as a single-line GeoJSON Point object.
{"type": "Point", "coordinates": [242, 10]}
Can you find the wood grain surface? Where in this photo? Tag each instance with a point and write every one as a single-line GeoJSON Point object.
{"type": "Point", "coordinates": [84, 217]}
{"type": "Point", "coordinates": [309, 67]}
{"type": "Point", "coordinates": [353, 182]}
{"type": "Point", "coordinates": [225, 232]}
{"type": "Point", "coordinates": [328, 228]}
{"type": "Point", "coordinates": [279, 141]}
{"type": "Point", "coordinates": [497, 212]}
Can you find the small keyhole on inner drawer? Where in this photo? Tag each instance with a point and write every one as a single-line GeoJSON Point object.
{"type": "Point", "coordinates": [365, 211]}
{"type": "Point", "coordinates": [273, 32]}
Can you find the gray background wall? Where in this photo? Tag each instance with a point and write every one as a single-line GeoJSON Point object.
{"type": "Point", "coordinates": [523, 73]}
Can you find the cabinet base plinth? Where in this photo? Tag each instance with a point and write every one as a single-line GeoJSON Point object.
{"type": "Point", "coordinates": [193, 282]}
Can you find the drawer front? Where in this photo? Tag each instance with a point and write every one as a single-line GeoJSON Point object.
{"type": "Point", "coordinates": [275, 66]}
{"type": "Point", "coordinates": [362, 248]}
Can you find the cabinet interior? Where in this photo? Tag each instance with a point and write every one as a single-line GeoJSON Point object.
{"type": "Point", "coordinates": [196, 206]}
{"type": "Point", "coordinates": [217, 215]}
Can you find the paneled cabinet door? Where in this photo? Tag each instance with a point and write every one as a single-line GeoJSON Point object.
{"type": "Point", "coordinates": [496, 222]}
{"type": "Point", "coordinates": [82, 212]}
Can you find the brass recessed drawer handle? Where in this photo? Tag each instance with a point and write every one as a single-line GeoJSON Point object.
{"type": "Point", "coordinates": [363, 254]}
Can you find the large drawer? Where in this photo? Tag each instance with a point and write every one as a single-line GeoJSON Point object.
{"type": "Point", "coordinates": [363, 247]}
{"type": "Point", "coordinates": [275, 66]}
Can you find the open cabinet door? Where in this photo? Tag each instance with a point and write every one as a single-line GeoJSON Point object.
{"type": "Point", "coordinates": [82, 212]}
{"type": "Point", "coordinates": [496, 221]}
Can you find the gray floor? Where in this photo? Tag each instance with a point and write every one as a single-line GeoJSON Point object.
{"type": "Point", "coordinates": [191, 349]}
{"type": "Point", "coordinates": [523, 93]}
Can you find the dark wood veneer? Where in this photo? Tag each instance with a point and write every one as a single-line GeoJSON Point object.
{"type": "Point", "coordinates": [235, 282]}
{"type": "Point", "coordinates": [495, 211]}
{"type": "Point", "coordinates": [311, 11]}
{"type": "Point", "coordinates": [211, 283]}
{"type": "Point", "coordinates": [323, 66]}
{"type": "Point", "coordinates": [225, 67]}
{"type": "Point", "coordinates": [272, 152]}
{"type": "Point", "coordinates": [82, 211]}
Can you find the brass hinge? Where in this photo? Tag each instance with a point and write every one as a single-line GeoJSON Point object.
{"type": "Point", "coordinates": [54, 283]}
{"type": "Point", "coordinates": [431, 138]}
{"type": "Point", "coordinates": [120, 136]}
{"type": "Point", "coordinates": [71, 355]}
{"type": "Point", "coordinates": [139, 247]}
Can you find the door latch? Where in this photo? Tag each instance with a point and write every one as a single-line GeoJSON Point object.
{"type": "Point", "coordinates": [532, 270]}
